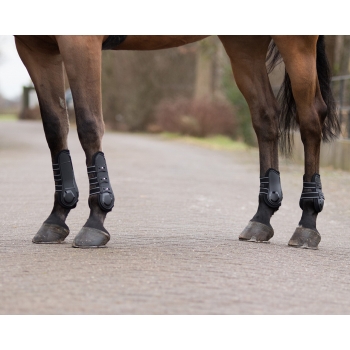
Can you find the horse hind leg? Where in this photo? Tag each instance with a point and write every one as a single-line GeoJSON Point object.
{"type": "Point", "coordinates": [46, 71]}
{"type": "Point", "coordinates": [248, 56]}
{"type": "Point", "coordinates": [306, 234]}
{"type": "Point", "coordinates": [299, 54]}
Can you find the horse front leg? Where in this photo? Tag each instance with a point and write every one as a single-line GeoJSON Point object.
{"type": "Point", "coordinates": [82, 59]}
{"type": "Point", "coordinates": [247, 54]}
{"type": "Point", "coordinates": [46, 71]}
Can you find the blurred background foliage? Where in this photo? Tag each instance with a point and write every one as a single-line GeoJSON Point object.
{"type": "Point", "coordinates": [187, 90]}
{"type": "Point", "coordinates": [133, 83]}
{"type": "Point", "coordinates": [245, 130]}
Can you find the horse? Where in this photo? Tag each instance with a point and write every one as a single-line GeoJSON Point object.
{"type": "Point", "coordinates": [305, 101]}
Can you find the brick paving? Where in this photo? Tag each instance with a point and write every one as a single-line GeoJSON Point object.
{"type": "Point", "coordinates": [174, 245]}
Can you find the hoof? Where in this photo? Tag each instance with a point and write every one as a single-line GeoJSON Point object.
{"type": "Point", "coordinates": [91, 238]}
{"type": "Point", "coordinates": [50, 234]}
{"type": "Point", "coordinates": [256, 232]}
{"type": "Point", "coordinates": [305, 238]}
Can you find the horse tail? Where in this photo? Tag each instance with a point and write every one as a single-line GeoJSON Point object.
{"type": "Point", "coordinates": [331, 126]}
{"type": "Point", "coordinates": [287, 117]}
{"type": "Point", "coordinates": [273, 57]}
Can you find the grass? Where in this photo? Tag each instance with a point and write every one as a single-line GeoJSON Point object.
{"type": "Point", "coordinates": [218, 142]}
{"type": "Point", "coordinates": [8, 117]}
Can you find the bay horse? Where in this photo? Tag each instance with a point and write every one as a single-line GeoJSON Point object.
{"type": "Point", "coordinates": [306, 101]}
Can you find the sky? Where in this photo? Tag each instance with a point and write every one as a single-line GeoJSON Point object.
{"type": "Point", "coordinates": [13, 74]}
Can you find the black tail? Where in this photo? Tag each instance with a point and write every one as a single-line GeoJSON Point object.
{"type": "Point", "coordinates": [331, 127]}
{"type": "Point", "coordinates": [287, 118]}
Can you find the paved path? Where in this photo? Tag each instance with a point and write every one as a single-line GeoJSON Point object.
{"type": "Point", "coordinates": [174, 246]}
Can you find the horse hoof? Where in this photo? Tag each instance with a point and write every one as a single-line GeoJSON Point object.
{"type": "Point", "coordinates": [50, 234]}
{"type": "Point", "coordinates": [305, 238]}
{"type": "Point", "coordinates": [256, 232]}
{"type": "Point", "coordinates": [91, 238]}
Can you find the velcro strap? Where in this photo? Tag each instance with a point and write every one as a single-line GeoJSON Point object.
{"type": "Point", "coordinates": [93, 180]}
{"type": "Point", "coordinates": [95, 191]}
{"type": "Point", "coordinates": [310, 195]}
{"type": "Point", "coordinates": [313, 190]}
{"type": "Point", "coordinates": [309, 184]}
{"type": "Point", "coordinates": [91, 169]}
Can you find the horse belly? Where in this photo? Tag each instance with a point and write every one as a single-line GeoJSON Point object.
{"type": "Point", "coordinates": [157, 42]}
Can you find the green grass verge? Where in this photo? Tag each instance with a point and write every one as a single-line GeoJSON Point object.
{"type": "Point", "coordinates": [8, 117]}
{"type": "Point", "coordinates": [218, 142]}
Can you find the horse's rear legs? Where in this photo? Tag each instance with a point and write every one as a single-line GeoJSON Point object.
{"type": "Point", "coordinates": [82, 59]}
{"type": "Point", "coordinates": [247, 54]}
{"type": "Point", "coordinates": [46, 71]}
